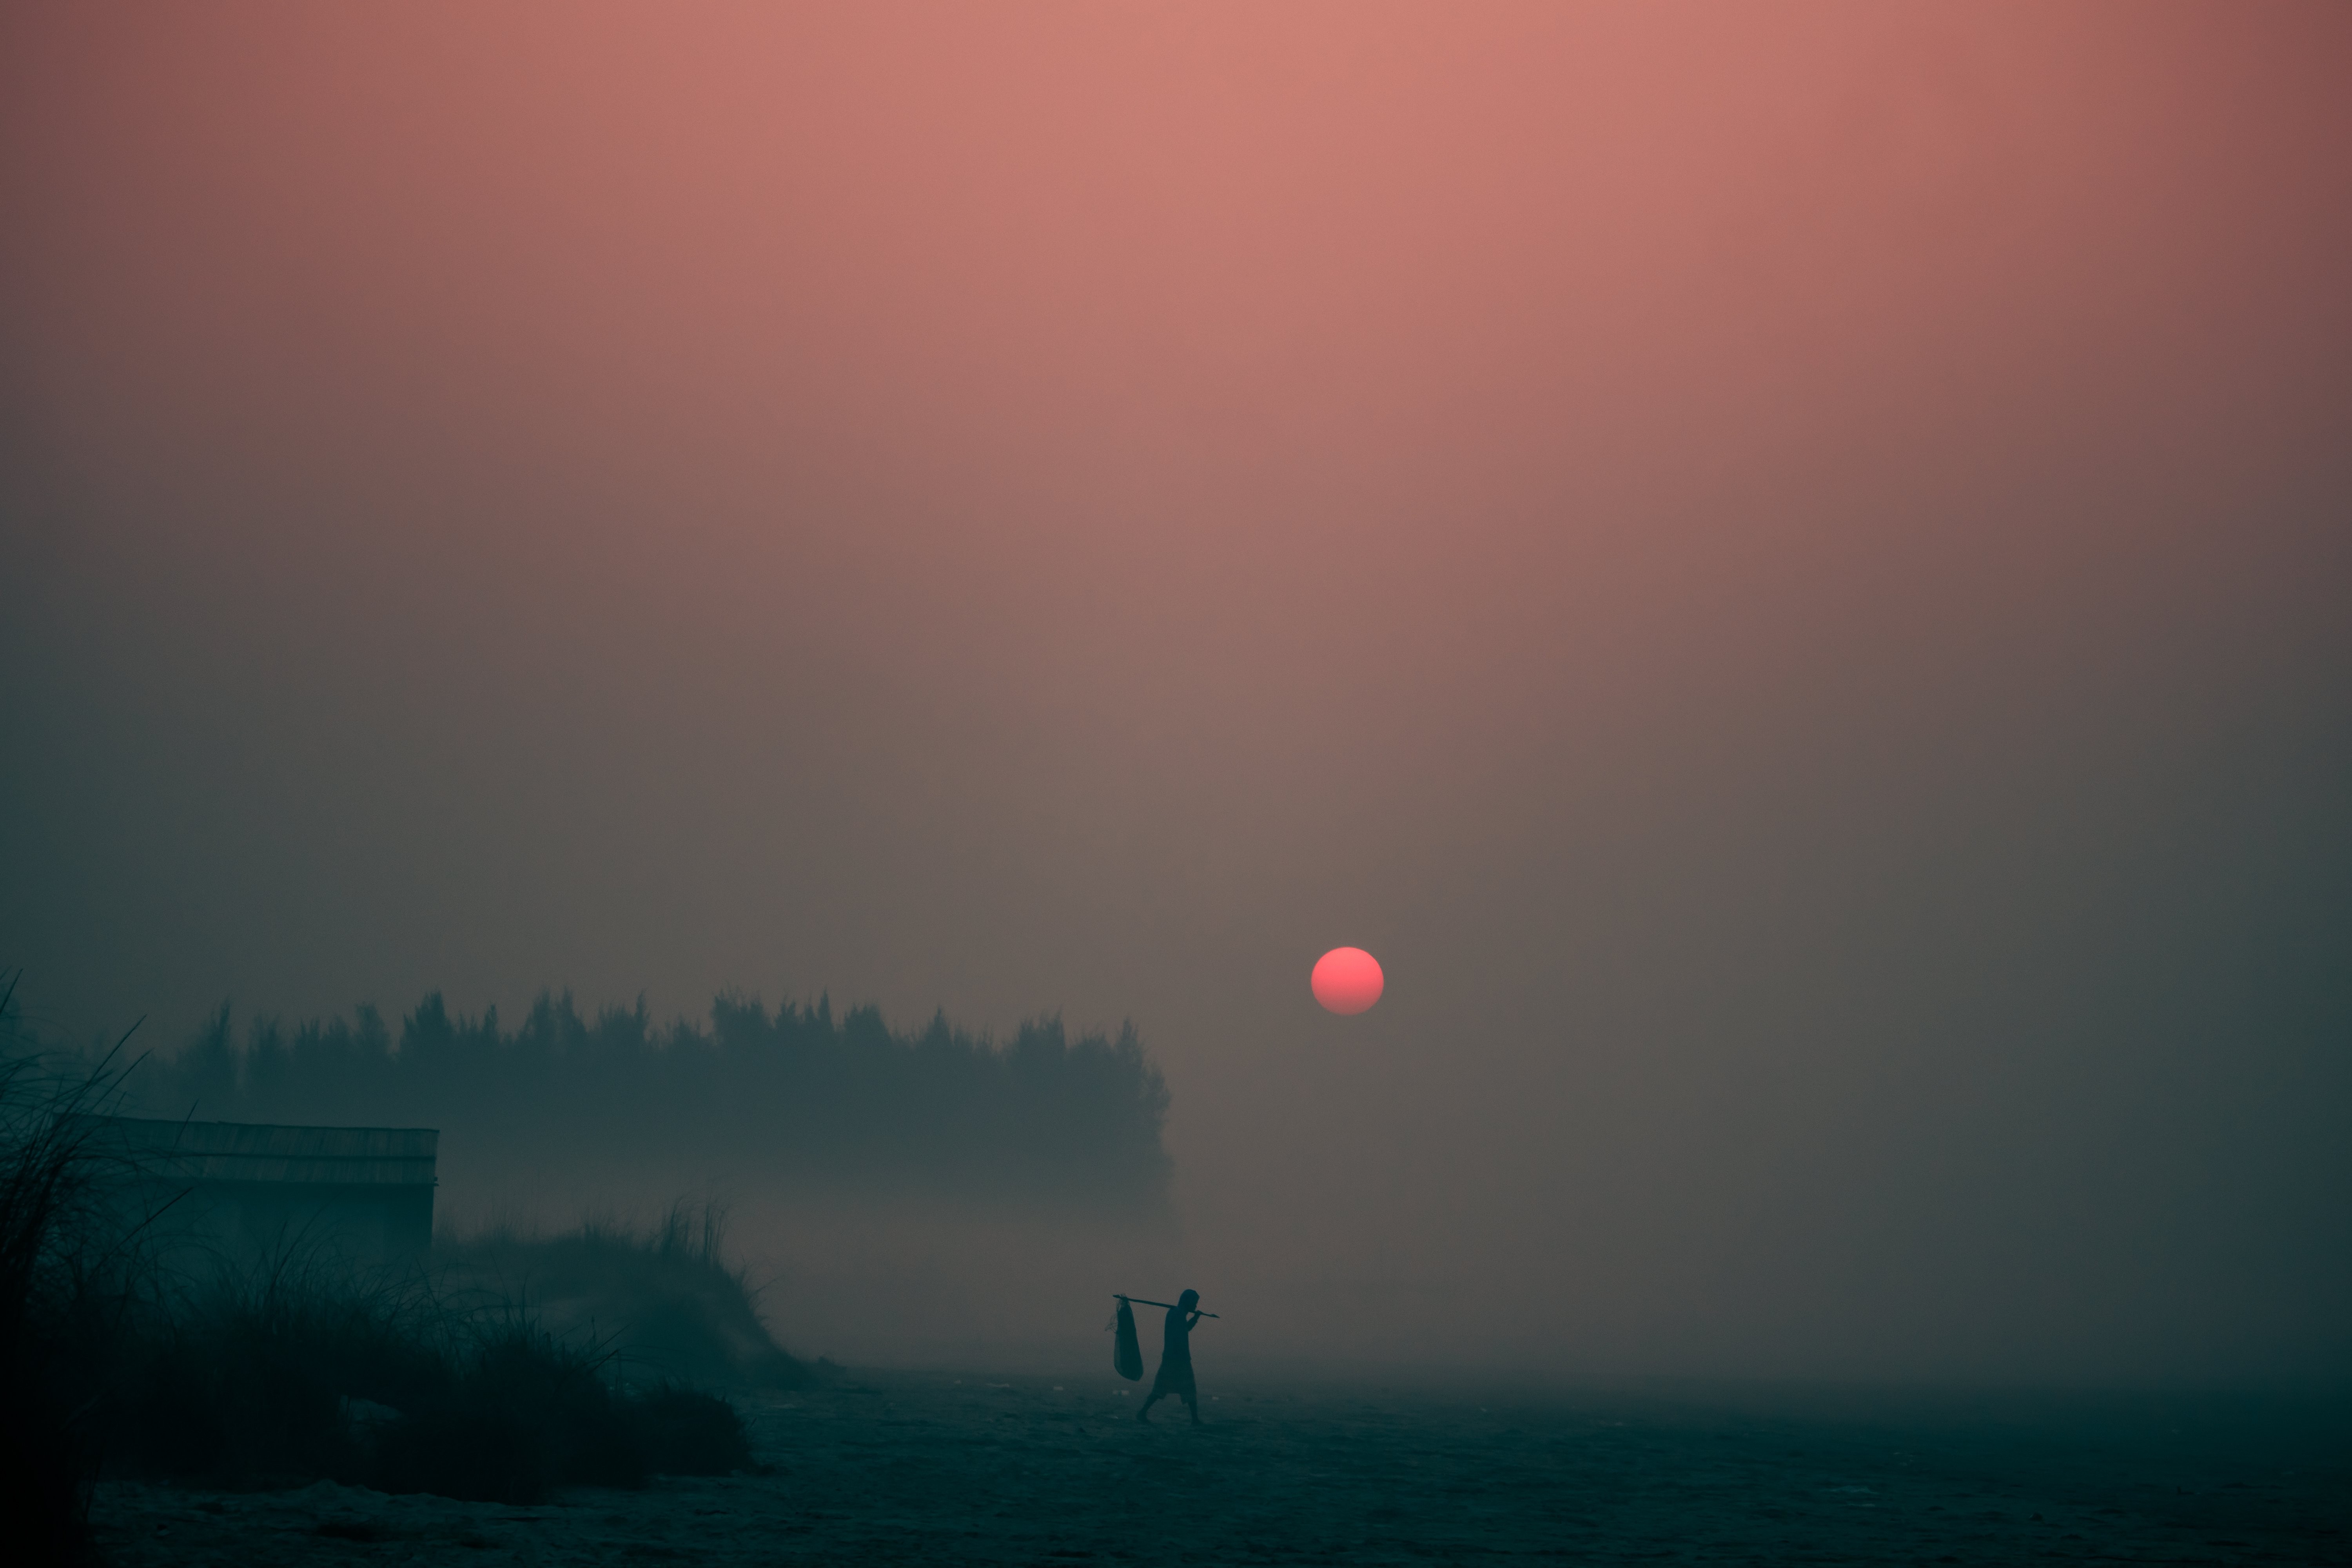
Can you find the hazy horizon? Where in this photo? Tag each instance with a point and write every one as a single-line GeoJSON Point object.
{"type": "Point", "coordinates": [1786, 573]}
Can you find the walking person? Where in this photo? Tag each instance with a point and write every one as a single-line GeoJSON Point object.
{"type": "Point", "coordinates": [1176, 1359]}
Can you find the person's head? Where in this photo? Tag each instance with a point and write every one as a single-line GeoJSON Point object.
{"type": "Point", "coordinates": [1189, 1299]}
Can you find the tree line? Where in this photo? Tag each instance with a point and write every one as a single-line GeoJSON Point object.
{"type": "Point", "coordinates": [795, 1094]}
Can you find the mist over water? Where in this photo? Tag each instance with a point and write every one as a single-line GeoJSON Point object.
{"type": "Point", "coordinates": [1784, 575]}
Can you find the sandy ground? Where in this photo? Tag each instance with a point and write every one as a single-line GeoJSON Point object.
{"type": "Point", "coordinates": [933, 1468]}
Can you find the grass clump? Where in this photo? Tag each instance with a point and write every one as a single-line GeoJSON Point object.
{"type": "Point", "coordinates": [689, 1432]}
{"type": "Point", "coordinates": [531, 1415]}
{"type": "Point", "coordinates": [251, 1381]}
{"type": "Point", "coordinates": [286, 1376]}
{"type": "Point", "coordinates": [665, 1302]}
{"type": "Point", "coordinates": [527, 1414]}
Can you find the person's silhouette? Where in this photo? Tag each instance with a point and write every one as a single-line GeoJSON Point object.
{"type": "Point", "coordinates": [1175, 1375]}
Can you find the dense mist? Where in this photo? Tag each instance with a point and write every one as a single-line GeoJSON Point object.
{"type": "Point", "coordinates": [1785, 571]}
{"type": "Point", "coordinates": [562, 1109]}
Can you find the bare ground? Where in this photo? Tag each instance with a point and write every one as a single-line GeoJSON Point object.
{"type": "Point", "coordinates": [933, 1468]}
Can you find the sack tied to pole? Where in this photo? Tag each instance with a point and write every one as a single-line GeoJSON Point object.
{"type": "Point", "coordinates": [1127, 1354]}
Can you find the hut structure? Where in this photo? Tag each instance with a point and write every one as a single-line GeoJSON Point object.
{"type": "Point", "coordinates": [246, 1188]}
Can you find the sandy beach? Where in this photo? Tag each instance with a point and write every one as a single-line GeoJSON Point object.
{"type": "Point", "coordinates": [939, 1467]}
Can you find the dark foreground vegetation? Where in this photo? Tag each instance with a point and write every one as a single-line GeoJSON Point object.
{"type": "Point", "coordinates": [280, 1379]}
{"type": "Point", "coordinates": [665, 1305]}
{"type": "Point", "coordinates": [797, 1094]}
{"type": "Point", "coordinates": [499, 1369]}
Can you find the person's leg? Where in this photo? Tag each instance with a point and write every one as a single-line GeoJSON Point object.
{"type": "Point", "coordinates": [1145, 1413]}
{"type": "Point", "coordinates": [1192, 1403]}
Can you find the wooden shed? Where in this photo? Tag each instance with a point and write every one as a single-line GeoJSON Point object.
{"type": "Point", "coordinates": [246, 1187]}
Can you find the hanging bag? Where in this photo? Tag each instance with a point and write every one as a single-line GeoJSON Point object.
{"type": "Point", "coordinates": [1127, 1355]}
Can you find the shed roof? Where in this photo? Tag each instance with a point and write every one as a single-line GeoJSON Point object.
{"type": "Point", "coordinates": [255, 1151]}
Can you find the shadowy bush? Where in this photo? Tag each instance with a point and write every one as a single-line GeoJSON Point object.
{"type": "Point", "coordinates": [283, 1376]}
{"type": "Point", "coordinates": [248, 1383]}
{"type": "Point", "coordinates": [294, 1369]}
{"type": "Point", "coordinates": [689, 1432]}
{"type": "Point", "coordinates": [533, 1415]}
{"type": "Point", "coordinates": [529, 1413]}
{"type": "Point", "coordinates": [668, 1304]}
{"type": "Point", "coordinates": [1041, 1119]}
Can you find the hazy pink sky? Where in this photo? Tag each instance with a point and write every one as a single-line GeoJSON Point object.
{"type": "Point", "coordinates": [1784, 569]}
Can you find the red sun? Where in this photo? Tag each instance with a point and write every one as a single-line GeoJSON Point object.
{"type": "Point", "coordinates": [1348, 979]}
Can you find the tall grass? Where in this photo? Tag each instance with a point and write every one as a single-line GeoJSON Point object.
{"type": "Point", "coordinates": [667, 1303]}
{"type": "Point", "coordinates": [245, 1377]}
{"type": "Point", "coordinates": [293, 1367]}
{"type": "Point", "coordinates": [795, 1095]}
{"type": "Point", "coordinates": [54, 1256]}
{"type": "Point", "coordinates": [284, 1373]}
{"type": "Point", "coordinates": [285, 1369]}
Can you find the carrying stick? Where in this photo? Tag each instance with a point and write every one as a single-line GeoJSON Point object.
{"type": "Point", "coordinates": [1142, 1302]}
